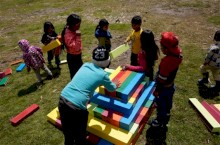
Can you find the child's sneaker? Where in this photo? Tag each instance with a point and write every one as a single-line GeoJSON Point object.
{"type": "Point", "coordinates": [49, 77]}
{"type": "Point", "coordinates": [154, 123]}
{"type": "Point", "coordinates": [203, 81]}
{"type": "Point", "coordinates": [58, 67]}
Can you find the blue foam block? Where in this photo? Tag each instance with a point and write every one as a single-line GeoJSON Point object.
{"type": "Point", "coordinates": [132, 86]}
{"type": "Point", "coordinates": [127, 122]}
{"type": "Point", "coordinates": [104, 142]}
{"type": "Point", "coordinates": [20, 67]}
{"type": "Point", "coordinates": [112, 103]}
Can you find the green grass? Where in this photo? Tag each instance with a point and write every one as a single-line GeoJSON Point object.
{"type": "Point", "coordinates": [214, 20]}
{"type": "Point", "coordinates": [24, 19]}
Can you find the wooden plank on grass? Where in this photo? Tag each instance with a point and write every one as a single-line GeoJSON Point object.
{"type": "Point", "coordinates": [118, 51]}
{"type": "Point", "coordinates": [213, 125]}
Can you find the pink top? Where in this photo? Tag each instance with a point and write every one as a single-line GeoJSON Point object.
{"type": "Point", "coordinates": [142, 67]}
{"type": "Point", "coordinates": [73, 41]}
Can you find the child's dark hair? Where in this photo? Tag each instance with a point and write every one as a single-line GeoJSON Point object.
{"type": "Point", "coordinates": [149, 46]}
{"type": "Point", "coordinates": [47, 25]}
{"type": "Point", "coordinates": [217, 36]}
{"type": "Point", "coordinates": [102, 23]}
{"type": "Point", "coordinates": [136, 20]}
{"type": "Point", "coordinates": [71, 20]}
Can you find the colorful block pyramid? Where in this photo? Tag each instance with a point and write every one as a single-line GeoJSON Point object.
{"type": "Point", "coordinates": [118, 118]}
{"type": "Point", "coordinates": [209, 113]}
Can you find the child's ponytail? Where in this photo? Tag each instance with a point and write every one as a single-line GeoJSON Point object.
{"type": "Point", "coordinates": [62, 37]}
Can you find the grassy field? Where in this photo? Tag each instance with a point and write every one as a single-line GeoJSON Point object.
{"type": "Point", "coordinates": [194, 21]}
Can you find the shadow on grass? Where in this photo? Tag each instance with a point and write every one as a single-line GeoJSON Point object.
{"type": "Point", "coordinates": [36, 86]}
{"type": "Point", "coordinates": [56, 73]}
{"type": "Point", "coordinates": [29, 90]}
{"type": "Point", "coordinates": [156, 135]}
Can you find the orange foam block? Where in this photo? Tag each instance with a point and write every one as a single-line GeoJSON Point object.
{"type": "Point", "coordinates": [24, 114]}
{"type": "Point", "coordinates": [16, 62]}
{"type": "Point", "coordinates": [111, 117]}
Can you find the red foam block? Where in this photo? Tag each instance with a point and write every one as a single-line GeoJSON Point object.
{"type": "Point", "coordinates": [24, 114]}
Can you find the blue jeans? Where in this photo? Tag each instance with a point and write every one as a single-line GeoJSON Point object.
{"type": "Point", "coordinates": [164, 103]}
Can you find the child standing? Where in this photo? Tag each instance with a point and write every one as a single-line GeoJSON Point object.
{"type": "Point", "coordinates": [33, 58]}
{"type": "Point", "coordinates": [165, 87]}
{"type": "Point", "coordinates": [48, 36]}
{"type": "Point", "coordinates": [75, 97]}
{"type": "Point", "coordinates": [134, 37]}
{"type": "Point", "coordinates": [103, 35]}
{"type": "Point", "coordinates": [212, 63]}
{"type": "Point", "coordinates": [71, 38]}
{"type": "Point", "coordinates": [147, 56]}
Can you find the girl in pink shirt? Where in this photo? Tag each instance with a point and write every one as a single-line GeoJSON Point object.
{"type": "Point", "coordinates": [71, 39]}
{"type": "Point", "coordinates": [147, 56]}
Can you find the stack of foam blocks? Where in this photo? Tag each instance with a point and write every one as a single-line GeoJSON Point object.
{"type": "Point", "coordinates": [210, 114]}
{"type": "Point", "coordinates": [117, 117]}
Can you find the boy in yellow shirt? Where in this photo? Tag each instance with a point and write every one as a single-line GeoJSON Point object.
{"type": "Point", "coordinates": [134, 37]}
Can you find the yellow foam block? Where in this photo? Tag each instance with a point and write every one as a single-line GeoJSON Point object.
{"type": "Point", "coordinates": [109, 70]}
{"type": "Point", "coordinates": [217, 106]}
{"type": "Point", "coordinates": [101, 89]}
{"type": "Point", "coordinates": [53, 115]}
{"type": "Point", "coordinates": [91, 107]}
{"type": "Point", "coordinates": [53, 44]}
{"type": "Point", "coordinates": [111, 133]}
{"type": "Point", "coordinates": [132, 100]}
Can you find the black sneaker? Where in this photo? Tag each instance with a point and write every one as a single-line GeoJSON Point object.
{"type": "Point", "coordinates": [203, 81]}
{"type": "Point", "coordinates": [154, 123]}
{"type": "Point", "coordinates": [49, 77]}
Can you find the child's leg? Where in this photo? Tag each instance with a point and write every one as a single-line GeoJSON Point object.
{"type": "Point", "coordinates": [216, 77]}
{"type": "Point", "coordinates": [74, 63]}
{"type": "Point", "coordinates": [49, 56]}
{"type": "Point", "coordinates": [57, 61]}
{"type": "Point", "coordinates": [37, 73]}
{"type": "Point", "coordinates": [205, 73]}
{"type": "Point", "coordinates": [164, 105]}
{"type": "Point", "coordinates": [47, 70]}
{"type": "Point", "coordinates": [74, 129]}
{"type": "Point", "coordinates": [133, 59]}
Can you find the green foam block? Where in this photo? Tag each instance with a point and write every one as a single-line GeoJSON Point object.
{"type": "Point", "coordinates": [119, 50]}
